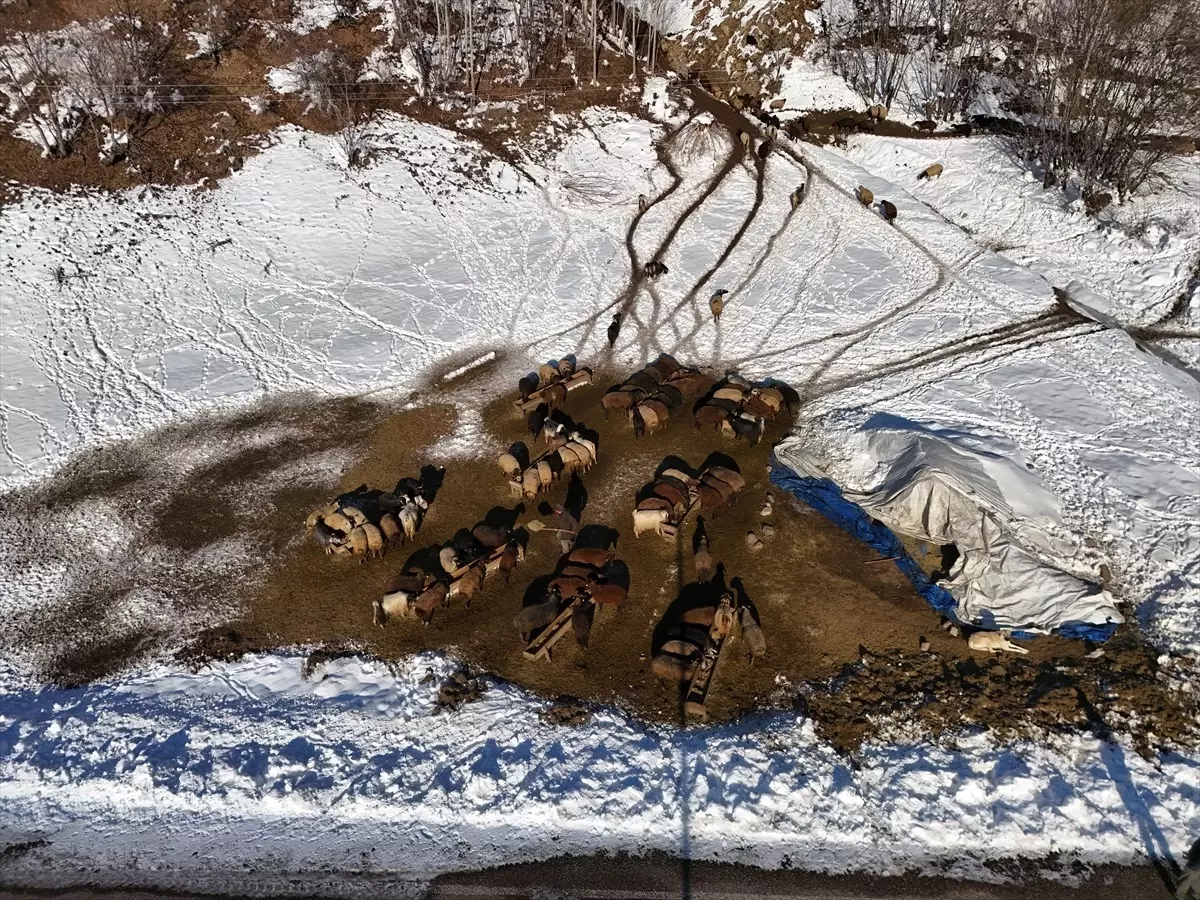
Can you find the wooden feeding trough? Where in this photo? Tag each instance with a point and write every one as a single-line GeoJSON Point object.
{"type": "Point", "coordinates": [539, 647]}
{"type": "Point", "coordinates": [553, 391]}
{"type": "Point", "coordinates": [697, 694]}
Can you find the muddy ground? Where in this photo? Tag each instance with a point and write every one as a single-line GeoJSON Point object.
{"type": "Point", "coordinates": [843, 628]}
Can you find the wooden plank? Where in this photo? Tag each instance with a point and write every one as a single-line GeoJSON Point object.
{"type": "Point", "coordinates": [488, 557]}
{"type": "Point", "coordinates": [540, 646]}
{"type": "Point", "coordinates": [579, 379]}
{"type": "Point", "coordinates": [697, 695]}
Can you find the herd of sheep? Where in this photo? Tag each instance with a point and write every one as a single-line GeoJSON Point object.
{"type": "Point", "coordinates": [366, 522]}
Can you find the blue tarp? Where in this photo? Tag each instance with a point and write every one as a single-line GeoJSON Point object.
{"type": "Point", "coordinates": [826, 497]}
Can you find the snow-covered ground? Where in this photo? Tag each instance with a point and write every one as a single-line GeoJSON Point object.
{"type": "Point", "coordinates": [296, 275]}
{"type": "Point", "coordinates": [160, 778]}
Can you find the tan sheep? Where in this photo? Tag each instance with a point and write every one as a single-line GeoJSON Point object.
{"type": "Point", "coordinates": [355, 515]}
{"type": "Point", "coordinates": [375, 540]}
{"type": "Point", "coordinates": [358, 542]}
{"type": "Point", "coordinates": [509, 465]}
{"type": "Point", "coordinates": [339, 522]}
{"type": "Point", "coordinates": [878, 112]}
{"type": "Point", "coordinates": [993, 642]}
{"type": "Point", "coordinates": [649, 520]}
{"type": "Point", "coordinates": [392, 532]}
{"type": "Point", "coordinates": [865, 196]}
{"type": "Point", "coordinates": [779, 104]}
{"type": "Point", "coordinates": [930, 173]}
{"type": "Point", "coordinates": [547, 374]}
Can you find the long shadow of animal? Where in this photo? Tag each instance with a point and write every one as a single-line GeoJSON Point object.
{"type": "Point", "coordinates": [697, 595]}
{"type": "Point", "coordinates": [432, 479]}
{"type": "Point", "coordinates": [600, 537]}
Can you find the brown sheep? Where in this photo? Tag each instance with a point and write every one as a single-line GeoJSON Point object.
{"type": "Point", "coordinates": [709, 498]}
{"type": "Point", "coordinates": [607, 594]}
{"type": "Point", "coordinates": [930, 173]}
{"type": "Point", "coordinates": [925, 125]}
{"type": "Point", "coordinates": [878, 112]}
{"type": "Point", "coordinates": [660, 410]}
{"type": "Point", "coordinates": [547, 374]}
{"type": "Point", "coordinates": [567, 586]}
{"type": "Point", "coordinates": [671, 494]}
{"type": "Point", "coordinates": [434, 596]}
{"type": "Point", "coordinates": [392, 532]}
{"type": "Point", "coordinates": [468, 584]}
{"type": "Point", "coordinates": [689, 383]}
{"type": "Point", "coordinates": [668, 667]}
{"type": "Point", "coordinates": [679, 647]}
{"type": "Point", "coordinates": [554, 396]}
{"type": "Point", "coordinates": [865, 196]}
{"type": "Point", "coordinates": [757, 407]}
{"type": "Point", "coordinates": [730, 477]}
{"type": "Point", "coordinates": [595, 557]}
{"type": "Point", "coordinates": [889, 211]}
{"type": "Point", "coordinates": [779, 104]}
{"type": "Point", "coordinates": [773, 397]}
{"type": "Point", "coordinates": [504, 563]}
{"type": "Point", "coordinates": [710, 415]}
{"type": "Point", "coordinates": [729, 392]}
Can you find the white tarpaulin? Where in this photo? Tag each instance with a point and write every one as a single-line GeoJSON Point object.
{"type": "Point", "coordinates": [1019, 567]}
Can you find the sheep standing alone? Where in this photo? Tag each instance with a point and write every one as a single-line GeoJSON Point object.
{"type": "Point", "coordinates": [716, 304]}
{"type": "Point", "coordinates": [930, 173]}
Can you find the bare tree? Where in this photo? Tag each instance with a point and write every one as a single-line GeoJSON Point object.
{"type": "Point", "coordinates": [31, 75]}
{"type": "Point", "coordinates": [956, 53]}
{"type": "Point", "coordinates": [1102, 77]}
{"type": "Point", "coordinates": [221, 23]}
{"type": "Point", "coordinates": [118, 69]}
{"type": "Point", "coordinates": [872, 49]}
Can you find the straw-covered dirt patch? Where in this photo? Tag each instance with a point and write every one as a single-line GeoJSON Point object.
{"type": "Point", "coordinates": [215, 562]}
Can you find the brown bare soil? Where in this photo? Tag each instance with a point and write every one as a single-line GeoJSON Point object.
{"type": "Point", "coordinates": [843, 628]}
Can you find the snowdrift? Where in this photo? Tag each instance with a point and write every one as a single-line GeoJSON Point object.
{"type": "Point", "coordinates": [1017, 567]}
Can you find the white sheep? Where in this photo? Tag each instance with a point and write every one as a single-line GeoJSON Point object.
{"type": "Point", "coordinates": [649, 520]}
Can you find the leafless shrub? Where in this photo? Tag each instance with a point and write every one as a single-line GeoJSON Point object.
{"type": "Point", "coordinates": [119, 68]}
{"type": "Point", "coordinates": [30, 76]}
{"type": "Point", "coordinates": [1102, 76]}
{"type": "Point", "coordinates": [699, 140]}
{"type": "Point", "coordinates": [870, 47]}
{"type": "Point", "coordinates": [221, 23]}
{"type": "Point", "coordinates": [956, 53]}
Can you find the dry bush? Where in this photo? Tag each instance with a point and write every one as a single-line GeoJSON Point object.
{"type": "Point", "coordinates": [1101, 78]}
{"type": "Point", "coordinates": [699, 140]}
